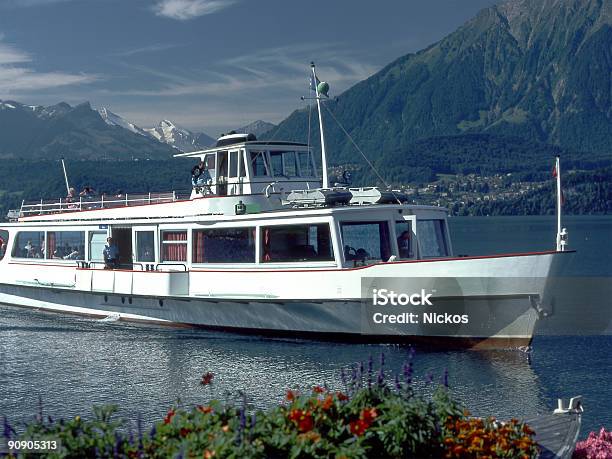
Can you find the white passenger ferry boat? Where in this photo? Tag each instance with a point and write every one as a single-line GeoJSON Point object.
{"type": "Point", "coordinates": [266, 246]}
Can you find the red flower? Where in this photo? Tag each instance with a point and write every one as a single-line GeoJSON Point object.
{"type": "Point", "coordinates": [318, 390]}
{"type": "Point", "coordinates": [184, 432]}
{"type": "Point", "coordinates": [342, 397]}
{"type": "Point", "coordinates": [290, 395]}
{"type": "Point", "coordinates": [207, 378]}
{"type": "Point", "coordinates": [205, 409]}
{"type": "Point", "coordinates": [368, 415]}
{"type": "Point", "coordinates": [358, 427]}
{"type": "Point", "coordinates": [169, 416]}
{"type": "Point", "coordinates": [303, 420]}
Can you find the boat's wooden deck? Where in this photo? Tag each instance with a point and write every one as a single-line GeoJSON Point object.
{"type": "Point", "coordinates": [556, 434]}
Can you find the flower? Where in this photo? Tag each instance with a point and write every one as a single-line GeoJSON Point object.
{"type": "Point", "coordinates": [205, 409]}
{"type": "Point", "coordinates": [368, 415]}
{"type": "Point", "coordinates": [342, 397]}
{"type": "Point", "coordinates": [207, 378]}
{"type": "Point", "coordinates": [209, 454]}
{"type": "Point", "coordinates": [290, 395]}
{"type": "Point", "coordinates": [358, 427]}
{"type": "Point", "coordinates": [318, 390]}
{"type": "Point", "coordinates": [328, 402]}
{"type": "Point", "coordinates": [302, 419]}
{"type": "Point", "coordinates": [169, 416]}
{"type": "Point", "coordinates": [184, 432]}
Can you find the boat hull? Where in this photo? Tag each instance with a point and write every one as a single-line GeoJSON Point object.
{"type": "Point", "coordinates": [502, 310]}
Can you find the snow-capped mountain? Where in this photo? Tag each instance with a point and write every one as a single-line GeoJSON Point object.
{"type": "Point", "coordinates": [169, 133]}
{"type": "Point", "coordinates": [113, 119]}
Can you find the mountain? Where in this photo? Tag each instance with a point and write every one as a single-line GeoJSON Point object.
{"type": "Point", "coordinates": [258, 128]}
{"type": "Point", "coordinates": [204, 140]}
{"type": "Point", "coordinates": [113, 119]}
{"type": "Point", "coordinates": [538, 70]}
{"type": "Point", "coordinates": [79, 132]}
{"type": "Point", "coordinates": [181, 139]}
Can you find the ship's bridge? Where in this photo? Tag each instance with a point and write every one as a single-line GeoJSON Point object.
{"type": "Point", "coordinates": [239, 164]}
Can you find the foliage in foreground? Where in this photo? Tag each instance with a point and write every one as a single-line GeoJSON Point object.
{"type": "Point", "coordinates": [370, 418]}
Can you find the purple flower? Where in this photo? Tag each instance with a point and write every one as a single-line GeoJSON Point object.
{"type": "Point", "coordinates": [6, 428]}
{"type": "Point", "coordinates": [445, 378]}
{"type": "Point", "coordinates": [380, 379]}
{"type": "Point", "coordinates": [408, 372]}
{"type": "Point", "coordinates": [430, 378]}
{"type": "Point", "coordinates": [398, 384]}
{"type": "Point", "coordinates": [370, 368]}
{"type": "Point", "coordinates": [343, 377]}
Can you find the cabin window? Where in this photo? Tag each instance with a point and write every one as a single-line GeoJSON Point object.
{"type": "Point", "coordinates": [284, 163]}
{"type": "Point", "coordinates": [404, 234]}
{"type": "Point", "coordinates": [233, 164]}
{"type": "Point", "coordinates": [258, 163]}
{"type": "Point", "coordinates": [29, 244]}
{"type": "Point", "coordinates": [4, 238]}
{"type": "Point", "coordinates": [305, 160]}
{"type": "Point", "coordinates": [66, 245]}
{"type": "Point", "coordinates": [174, 246]}
{"type": "Point", "coordinates": [97, 241]}
{"type": "Point", "coordinates": [242, 171]}
{"type": "Point", "coordinates": [366, 242]}
{"type": "Point", "coordinates": [145, 246]}
{"type": "Point", "coordinates": [224, 245]}
{"type": "Point", "coordinates": [432, 238]}
{"type": "Point", "coordinates": [297, 243]}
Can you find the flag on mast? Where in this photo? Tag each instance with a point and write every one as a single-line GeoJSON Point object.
{"type": "Point", "coordinates": [555, 174]}
{"type": "Point", "coordinates": [314, 83]}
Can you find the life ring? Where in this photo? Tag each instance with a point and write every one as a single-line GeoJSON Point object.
{"type": "Point", "coordinates": [196, 172]}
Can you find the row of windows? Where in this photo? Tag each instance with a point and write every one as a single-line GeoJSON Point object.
{"type": "Point", "coordinates": [363, 242]}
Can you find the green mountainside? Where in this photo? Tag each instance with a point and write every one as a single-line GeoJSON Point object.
{"type": "Point", "coordinates": [539, 70]}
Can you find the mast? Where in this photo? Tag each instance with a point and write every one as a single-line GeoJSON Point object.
{"type": "Point", "coordinates": [65, 177]}
{"type": "Point", "coordinates": [561, 233]}
{"type": "Point", "coordinates": [323, 153]}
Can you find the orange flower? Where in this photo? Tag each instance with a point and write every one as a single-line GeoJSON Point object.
{"type": "Point", "coordinates": [368, 415]}
{"type": "Point", "coordinates": [328, 403]}
{"type": "Point", "coordinates": [225, 428]}
{"type": "Point", "coordinates": [209, 454]}
{"type": "Point", "coordinates": [318, 390]}
{"type": "Point", "coordinates": [290, 395]}
{"type": "Point", "coordinates": [205, 409]}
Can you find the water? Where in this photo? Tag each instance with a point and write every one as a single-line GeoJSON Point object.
{"type": "Point", "coordinates": [73, 363]}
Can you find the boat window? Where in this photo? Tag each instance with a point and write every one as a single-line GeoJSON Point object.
{"type": "Point", "coordinates": [258, 163]}
{"type": "Point", "coordinates": [403, 232]}
{"type": "Point", "coordinates": [284, 163]}
{"type": "Point", "coordinates": [29, 244]}
{"type": "Point", "coordinates": [233, 164]}
{"type": "Point", "coordinates": [366, 242]}
{"type": "Point", "coordinates": [174, 246]}
{"type": "Point", "coordinates": [305, 160]}
{"type": "Point", "coordinates": [297, 243]}
{"type": "Point", "coordinates": [97, 241]}
{"type": "Point", "coordinates": [242, 171]}
{"type": "Point", "coordinates": [145, 246]}
{"type": "Point", "coordinates": [432, 239]}
{"type": "Point", "coordinates": [224, 245]}
{"type": "Point", "coordinates": [66, 245]}
{"type": "Point", "coordinates": [4, 238]}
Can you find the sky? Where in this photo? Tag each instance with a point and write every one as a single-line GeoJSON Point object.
{"type": "Point", "coordinates": [207, 65]}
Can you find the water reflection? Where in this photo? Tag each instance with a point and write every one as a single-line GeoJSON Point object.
{"type": "Point", "coordinates": [75, 363]}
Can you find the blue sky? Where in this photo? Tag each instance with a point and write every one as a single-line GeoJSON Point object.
{"type": "Point", "coordinates": [207, 64]}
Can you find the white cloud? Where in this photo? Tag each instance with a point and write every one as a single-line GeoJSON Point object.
{"type": "Point", "coordinates": [189, 9]}
{"type": "Point", "coordinates": [17, 76]}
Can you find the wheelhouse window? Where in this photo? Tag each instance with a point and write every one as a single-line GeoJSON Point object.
{"type": "Point", "coordinates": [432, 238]}
{"type": "Point", "coordinates": [29, 244]}
{"type": "Point", "coordinates": [224, 245]}
{"type": "Point", "coordinates": [289, 243]}
{"type": "Point", "coordinates": [305, 162]}
{"type": "Point", "coordinates": [284, 163]}
{"type": "Point", "coordinates": [259, 164]}
{"type": "Point", "coordinates": [145, 246]}
{"type": "Point", "coordinates": [66, 245]}
{"type": "Point", "coordinates": [97, 241]}
{"type": "Point", "coordinates": [404, 233]}
{"type": "Point", "coordinates": [233, 164]}
{"type": "Point", "coordinates": [366, 242]}
{"type": "Point", "coordinates": [4, 239]}
{"type": "Point", "coordinates": [174, 246]}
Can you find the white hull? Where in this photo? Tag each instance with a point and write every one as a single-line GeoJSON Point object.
{"type": "Point", "coordinates": [498, 294]}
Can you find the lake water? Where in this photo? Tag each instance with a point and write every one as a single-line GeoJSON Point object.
{"type": "Point", "coordinates": [73, 363]}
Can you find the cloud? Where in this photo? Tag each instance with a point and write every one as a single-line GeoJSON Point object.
{"type": "Point", "coordinates": [17, 76]}
{"type": "Point", "coordinates": [145, 49]}
{"type": "Point", "coordinates": [188, 9]}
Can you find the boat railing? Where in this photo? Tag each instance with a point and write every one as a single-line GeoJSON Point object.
{"type": "Point", "coordinates": [80, 203]}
